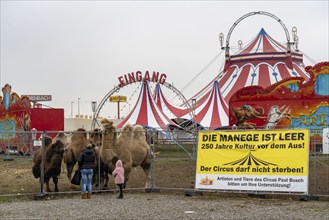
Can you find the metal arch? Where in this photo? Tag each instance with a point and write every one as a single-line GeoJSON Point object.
{"type": "Point", "coordinates": [101, 104]}
{"type": "Point", "coordinates": [117, 88]}
{"type": "Point", "coordinates": [256, 13]}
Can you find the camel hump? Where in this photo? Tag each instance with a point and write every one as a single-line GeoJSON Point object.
{"type": "Point", "coordinates": [78, 134]}
{"type": "Point", "coordinates": [139, 132]}
{"type": "Point", "coordinates": [60, 135]}
{"type": "Point", "coordinates": [126, 132]}
{"type": "Point", "coordinates": [128, 128]}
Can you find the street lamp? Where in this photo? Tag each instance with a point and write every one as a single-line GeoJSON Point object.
{"type": "Point", "coordinates": [93, 109]}
{"type": "Point", "coordinates": [93, 106]}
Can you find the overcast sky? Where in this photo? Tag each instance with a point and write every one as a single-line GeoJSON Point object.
{"type": "Point", "coordinates": [76, 50]}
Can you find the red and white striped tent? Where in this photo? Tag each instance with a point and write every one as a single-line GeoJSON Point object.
{"type": "Point", "coordinates": [262, 62]}
{"type": "Point", "coordinates": [169, 109]}
{"type": "Point", "coordinates": [213, 112]}
{"type": "Point", "coordinates": [146, 112]}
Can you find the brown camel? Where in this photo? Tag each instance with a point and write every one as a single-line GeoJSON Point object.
{"type": "Point", "coordinates": [72, 151]}
{"type": "Point", "coordinates": [102, 171]}
{"type": "Point", "coordinates": [79, 140]}
{"type": "Point", "coordinates": [130, 147]}
{"type": "Point", "coordinates": [53, 156]}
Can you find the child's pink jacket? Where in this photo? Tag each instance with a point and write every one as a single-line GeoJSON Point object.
{"type": "Point", "coordinates": [118, 173]}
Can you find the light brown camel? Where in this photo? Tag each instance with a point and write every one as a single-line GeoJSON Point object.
{"type": "Point", "coordinates": [101, 170]}
{"type": "Point", "coordinates": [130, 147]}
{"type": "Point", "coordinates": [53, 156]}
{"type": "Point", "coordinates": [72, 151]}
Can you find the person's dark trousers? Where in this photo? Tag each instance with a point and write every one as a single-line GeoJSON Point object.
{"type": "Point", "coordinates": [121, 194]}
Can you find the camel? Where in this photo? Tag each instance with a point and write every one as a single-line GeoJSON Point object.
{"type": "Point", "coordinates": [101, 170]}
{"type": "Point", "coordinates": [130, 147]}
{"type": "Point", "coordinates": [72, 151]}
{"type": "Point", "coordinates": [79, 140]}
{"type": "Point", "coordinates": [53, 156]}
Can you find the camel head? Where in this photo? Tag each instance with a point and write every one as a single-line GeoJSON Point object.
{"type": "Point", "coordinates": [90, 144]}
{"type": "Point", "coordinates": [63, 137]}
{"type": "Point", "coordinates": [58, 146]}
{"type": "Point", "coordinates": [107, 126]}
{"type": "Point", "coordinates": [96, 136]}
{"type": "Point", "coordinates": [48, 140]}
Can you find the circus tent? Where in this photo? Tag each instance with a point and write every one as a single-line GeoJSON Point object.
{"type": "Point", "coordinates": [146, 112]}
{"type": "Point", "coordinates": [167, 107]}
{"type": "Point", "coordinates": [262, 62]}
{"type": "Point", "coordinates": [213, 112]}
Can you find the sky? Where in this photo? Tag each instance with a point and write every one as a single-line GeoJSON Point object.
{"type": "Point", "coordinates": [75, 51]}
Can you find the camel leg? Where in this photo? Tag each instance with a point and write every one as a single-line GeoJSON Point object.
{"type": "Point", "coordinates": [47, 184]}
{"type": "Point", "coordinates": [55, 180]}
{"type": "Point", "coordinates": [106, 177]}
{"type": "Point", "coordinates": [147, 170]}
{"type": "Point", "coordinates": [127, 167]}
{"type": "Point", "coordinates": [106, 182]}
{"type": "Point", "coordinates": [69, 168]}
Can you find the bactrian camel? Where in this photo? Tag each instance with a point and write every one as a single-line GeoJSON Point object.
{"type": "Point", "coordinates": [53, 156]}
{"type": "Point", "coordinates": [130, 147]}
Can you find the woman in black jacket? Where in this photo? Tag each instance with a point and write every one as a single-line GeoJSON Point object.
{"type": "Point", "coordinates": [86, 163]}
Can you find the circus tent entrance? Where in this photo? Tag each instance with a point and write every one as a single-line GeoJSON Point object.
{"type": "Point", "coordinates": [147, 113]}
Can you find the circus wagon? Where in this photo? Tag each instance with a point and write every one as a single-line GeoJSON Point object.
{"type": "Point", "coordinates": [19, 120]}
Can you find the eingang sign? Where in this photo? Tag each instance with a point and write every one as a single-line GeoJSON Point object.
{"type": "Point", "coordinates": [139, 76]}
{"type": "Point", "coordinates": [263, 160]}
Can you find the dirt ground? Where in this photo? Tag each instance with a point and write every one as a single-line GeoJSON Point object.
{"type": "Point", "coordinates": [168, 174]}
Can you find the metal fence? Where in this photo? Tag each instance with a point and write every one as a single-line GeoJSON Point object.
{"type": "Point", "coordinates": [173, 165]}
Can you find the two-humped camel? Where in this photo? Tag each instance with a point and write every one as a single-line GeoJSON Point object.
{"type": "Point", "coordinates": [130, 147]}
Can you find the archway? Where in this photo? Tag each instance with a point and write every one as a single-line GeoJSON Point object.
{"type": "Point", "coordinates": [119, 87]}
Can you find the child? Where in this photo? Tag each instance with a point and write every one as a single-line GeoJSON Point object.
{"type": "Point", "coordinates": [119, 177]}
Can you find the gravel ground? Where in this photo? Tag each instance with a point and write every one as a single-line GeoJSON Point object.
{"type": "Point", "coordinates": [164, 206]}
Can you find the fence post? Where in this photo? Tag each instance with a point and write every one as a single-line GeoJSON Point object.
{"type": "Point", "coordinates": [152, 142]}
{"type": "Point", "coordinates": [42, 167]}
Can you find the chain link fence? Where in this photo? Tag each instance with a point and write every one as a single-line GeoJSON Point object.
{"type": "Point", "coordinates": [173, 165]}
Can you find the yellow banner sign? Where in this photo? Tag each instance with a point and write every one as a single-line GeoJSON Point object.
{"type": "Point", "coordinates": [253, 160]}
{"type": "Point", "coordinates": [118, 98]}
